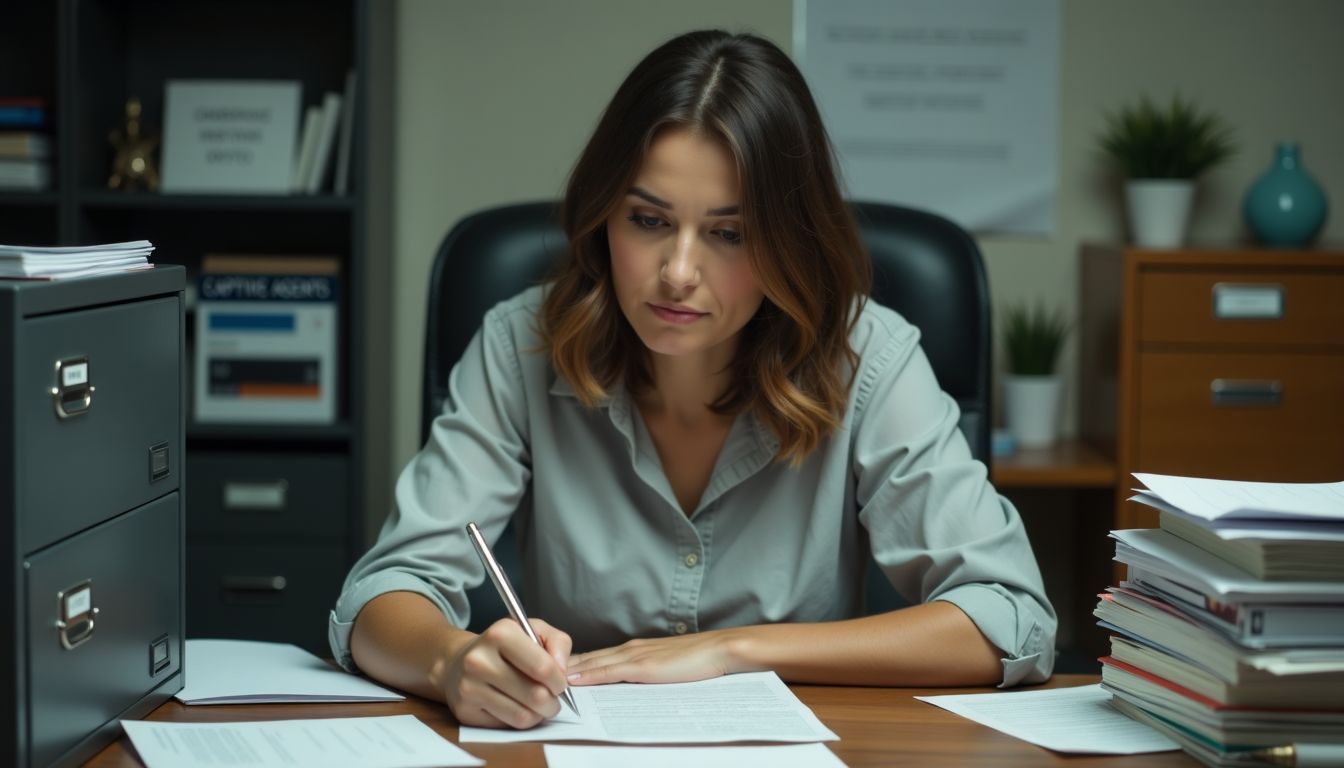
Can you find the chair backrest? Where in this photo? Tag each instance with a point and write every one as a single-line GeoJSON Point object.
{"type": "Point", "coordinates": [924, 266]}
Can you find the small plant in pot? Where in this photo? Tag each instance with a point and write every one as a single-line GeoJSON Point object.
{"type": "Point", "coordinates": [1161, 151]}
{"type": "Point", "coordinates": [1033, 337]}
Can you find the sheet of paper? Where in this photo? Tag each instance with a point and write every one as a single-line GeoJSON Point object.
{"type": "Point", "coordinates": [1080, 720]}
{"type": "Point", "coordinates": [780, 756]}
{"type": "Point", "coordinates": [1217, 499]}
{"type": "Point", "coordinates": [249, 672]}
{"type": "Point", "coordinates": [755, 706]}
{"type": "Point", "coordinates": [401, 741]}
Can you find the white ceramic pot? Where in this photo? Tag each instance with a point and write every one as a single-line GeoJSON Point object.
{"type": "Point", "coordinates": [1031, 406]}
{"type": "Point", "coordinates": [1159, 210]}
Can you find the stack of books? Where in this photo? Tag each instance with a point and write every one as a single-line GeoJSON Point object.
{"type": "Point", "coordinates": [1228, 634]}
{"type": "Point", "coordinates": [25, 152]}
{"type": "Point", "coordinates": [26, 262]}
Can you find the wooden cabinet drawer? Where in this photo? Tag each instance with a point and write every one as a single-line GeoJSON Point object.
{"type": "Point", "coordinates": [1213, 415]}
{"type": "Point", "coordinates": [1238, 307]}
{"type": "Point", "coordinates": [241, 496]}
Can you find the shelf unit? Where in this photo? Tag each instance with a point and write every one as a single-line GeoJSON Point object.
{"type": "Point", "coordinates": [253, 571]}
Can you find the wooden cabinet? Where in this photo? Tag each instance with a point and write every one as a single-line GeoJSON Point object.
{"type": "Point", "coordinates": [1223, 363]}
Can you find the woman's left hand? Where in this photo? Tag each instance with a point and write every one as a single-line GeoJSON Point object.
{"type": "Point", "coordinates": [659, 660]}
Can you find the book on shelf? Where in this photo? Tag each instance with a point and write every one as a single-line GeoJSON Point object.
{"type": "Point", "coordinates": [266, 329]}
{"type": "Point", "coordinates": [24, 145]}
{"type": "Point", "coordinates": [24, 262]}
{"type": "Point", "coordinates": [307, 149]}
{"type": "Point", "coordinates": [22, 113]}
{"type": "Point", "coordinates": [27, 174]}
{"type": "Point", "coordinates": [341, 183]}
{"type": "Point", "coordinates": [326, 143]}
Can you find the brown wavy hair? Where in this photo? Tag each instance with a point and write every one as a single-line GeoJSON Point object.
{"type": "Point", "coordinates": [794, 364]}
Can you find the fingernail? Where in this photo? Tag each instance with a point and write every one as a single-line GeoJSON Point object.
{"type": "Point", "coordinates": [574, 675]}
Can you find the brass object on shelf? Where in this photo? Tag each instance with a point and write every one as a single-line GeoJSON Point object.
{"type": "Point", "coordinates": [133, 164]}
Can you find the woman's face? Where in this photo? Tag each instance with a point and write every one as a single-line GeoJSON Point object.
{"type": "Point", "coordinates": [678, 259]}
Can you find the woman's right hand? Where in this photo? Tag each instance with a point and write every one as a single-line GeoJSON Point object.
{"type": "Point", "coordinates": [503, 679]}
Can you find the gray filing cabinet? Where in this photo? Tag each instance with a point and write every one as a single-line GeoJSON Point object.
{"type": "Point", "coordinates": [91, 535]}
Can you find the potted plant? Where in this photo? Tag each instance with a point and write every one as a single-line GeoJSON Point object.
{"type": "Point", "coordinates": [1161, 151]}
{"type": "Point", "coordinates": [1032, 339]}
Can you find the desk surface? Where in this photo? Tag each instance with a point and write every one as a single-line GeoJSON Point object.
{"type": "Point", "coordinates": [876, 726]}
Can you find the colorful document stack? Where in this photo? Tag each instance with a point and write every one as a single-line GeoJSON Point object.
{"type": "Point", "coordinates": [1228, 634]}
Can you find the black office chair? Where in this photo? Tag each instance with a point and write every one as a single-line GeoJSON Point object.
{"type": "Point", "coordinates": [924, 267]}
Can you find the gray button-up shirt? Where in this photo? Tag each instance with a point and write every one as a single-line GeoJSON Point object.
{"type": "Point", "coordinates": [609, 554]}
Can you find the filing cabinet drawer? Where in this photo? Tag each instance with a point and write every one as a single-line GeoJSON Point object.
{"type": "Point", "coordinates": [246, 495]}
{"type": "Point", "coordinates": [264, 593]}
{"type": "Point", "coordinates": [1273, 417]}
{"type": "Point", "coordinates": [123, 633]}
{"type": "Point", "coordinates": [1291, 308]}
{"type": "Point", "coordinates": [83, 461]}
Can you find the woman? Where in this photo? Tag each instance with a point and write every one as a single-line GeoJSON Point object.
{"type": "Point", "coordinates": [700, 429]}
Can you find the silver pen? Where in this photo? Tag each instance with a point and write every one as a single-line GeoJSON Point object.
{"type": "Point", "coordinates": [506, 593]}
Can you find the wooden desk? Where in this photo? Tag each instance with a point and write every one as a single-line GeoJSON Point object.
{"type": "Point", "coordinates": [876, 726]}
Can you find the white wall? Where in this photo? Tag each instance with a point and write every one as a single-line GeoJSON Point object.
{"type": "Point", "coordinates": [493, 101]}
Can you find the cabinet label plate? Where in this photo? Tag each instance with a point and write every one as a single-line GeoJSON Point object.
{"type": "Point", "coordinates": [1243, 301]}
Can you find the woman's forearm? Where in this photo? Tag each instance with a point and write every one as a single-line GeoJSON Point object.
{"type": "Point", "coordinates": [403, 639]}
{"type": "Point", "coordinates": [934, 644]}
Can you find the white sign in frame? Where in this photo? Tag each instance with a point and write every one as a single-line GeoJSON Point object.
{"type": "Point", "coordinates": [229, 136]}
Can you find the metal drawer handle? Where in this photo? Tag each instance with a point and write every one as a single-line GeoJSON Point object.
{"type": "Point", "coordinates": [269, 495]}
{"type": "Point", "coordinates": [255, 583]}
{"type": "Point", "coordinates": [75, 612]}
{"type": "Point", "coordinates": [1233, 392]}
{"type": "Point", "coordinates": [73, 394]}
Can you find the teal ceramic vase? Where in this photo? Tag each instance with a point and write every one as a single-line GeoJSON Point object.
{"type": "Point", "coordinates": [1285, 207]}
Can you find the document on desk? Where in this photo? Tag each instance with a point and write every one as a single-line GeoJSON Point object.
{"type": "Point", "coordinates": [249, 672]}
{"type": "Point", "coordinates": [399, 741]}
{"type": "Point", "coordinates": [1078, 720]}
{"type": "Point", "coordinates": [777, 756]}
{"type": "Point", "coordinates": [754, 706]}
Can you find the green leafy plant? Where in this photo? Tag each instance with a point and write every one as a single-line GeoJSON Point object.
{"type": "Point", "coordinates": [1032, 337]}
{"type": "Point", "coordinates": [1146, 141]}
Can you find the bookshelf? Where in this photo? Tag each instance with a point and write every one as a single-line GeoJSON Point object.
{"type": "Point", "coordinates": [265, 571]}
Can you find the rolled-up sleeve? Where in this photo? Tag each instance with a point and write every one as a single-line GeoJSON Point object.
{"type": "Point", "coordinates": [937, 527]}
{"type": "Point", "coordinates": [474, 467]}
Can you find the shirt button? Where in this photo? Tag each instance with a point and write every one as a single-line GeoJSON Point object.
{"type": "Point", "coordinates": [679, 627]}
{"type": "Point", "coordinates": [692, 559]}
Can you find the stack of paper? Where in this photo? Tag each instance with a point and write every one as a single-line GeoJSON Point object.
{"type": "Point", "coordinates": [1227, 648]}
{"type": "Point", "coordinates": [1274, 531]}
{"type": "Point", "coordinates": [37, 263]}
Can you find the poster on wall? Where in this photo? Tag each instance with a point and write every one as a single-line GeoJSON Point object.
{"type": "Point", "coordinates": [950, 106]}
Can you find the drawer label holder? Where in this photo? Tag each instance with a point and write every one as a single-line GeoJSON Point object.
{"type": "Point", "coordinates": [1248, 301]}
